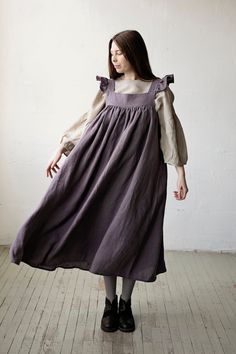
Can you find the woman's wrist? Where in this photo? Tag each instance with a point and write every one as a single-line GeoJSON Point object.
{"type": "Point", "coordinates": [180, 170]}
{"type": "Point", "coordinates": [58, 150]}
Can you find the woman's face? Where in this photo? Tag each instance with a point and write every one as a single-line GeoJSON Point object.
{"type": "Point", "coordinates": [119, 61]}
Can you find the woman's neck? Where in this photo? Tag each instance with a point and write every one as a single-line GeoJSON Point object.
{"type": "Point", "coordinates": [129, 76]}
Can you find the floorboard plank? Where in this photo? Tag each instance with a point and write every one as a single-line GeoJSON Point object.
{"type": "Point", "coordinates": [189, 309]}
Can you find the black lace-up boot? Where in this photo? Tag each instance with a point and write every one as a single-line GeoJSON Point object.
{"type": "Point", "coordinates": [126, 319]}
{"type": "Point", "coordinates": [109, 322]}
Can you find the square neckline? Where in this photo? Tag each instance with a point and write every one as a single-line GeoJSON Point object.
{"type": "Point", "coordinates": [141, 93]}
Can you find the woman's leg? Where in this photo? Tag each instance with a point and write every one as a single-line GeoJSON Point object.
{"type": "Point", "coordinates": [110, 285]}
{"type": "Point", "coordinates": [109, 322]}
{"type": "Point", "coordinates": [126, 318]}
{"type": "Point", "coordinates": [127, 288]}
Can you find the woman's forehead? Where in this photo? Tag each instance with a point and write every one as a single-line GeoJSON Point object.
{"type": "Point", "coordinates": [114, 46]}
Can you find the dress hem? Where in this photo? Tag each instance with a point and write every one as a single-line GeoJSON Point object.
{"type": "Point", "coordinates": [79, 266]}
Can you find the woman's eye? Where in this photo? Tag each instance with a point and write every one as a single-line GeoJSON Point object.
{"type": "Point", "coordinates": [119, 53]}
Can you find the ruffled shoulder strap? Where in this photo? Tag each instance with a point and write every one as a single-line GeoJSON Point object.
{"type": "Point", "coordinates": [104, 82]}
{"type": "Point", "coordinates": [161, 84]}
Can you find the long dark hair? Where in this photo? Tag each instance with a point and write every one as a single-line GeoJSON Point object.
{"type": "Point", "coordinates": [133, 47]}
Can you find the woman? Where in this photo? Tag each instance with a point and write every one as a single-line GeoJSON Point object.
{"type": "Point", "coordinates": [104, 210]}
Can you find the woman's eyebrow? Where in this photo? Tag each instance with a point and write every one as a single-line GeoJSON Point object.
{"type": "Point", "coordinates": [117, 50]}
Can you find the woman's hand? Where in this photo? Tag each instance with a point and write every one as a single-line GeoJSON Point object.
{"type": "Point", "coordinates": [182, 188]}
{"type": "Point", "coordinates": [52, 164]}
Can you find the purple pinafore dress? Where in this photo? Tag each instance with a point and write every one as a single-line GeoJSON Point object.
{"type": "Point", "coordinates": [104, 209]}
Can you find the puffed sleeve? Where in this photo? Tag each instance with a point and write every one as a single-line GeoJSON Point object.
{"type": "Point", "coordinates": [72, 135]}
{"type": "Point", "coordinates": [172, 142]}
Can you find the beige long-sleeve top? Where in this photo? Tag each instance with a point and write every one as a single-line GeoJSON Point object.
{"type": "Point", "coordinates": [172, 142]}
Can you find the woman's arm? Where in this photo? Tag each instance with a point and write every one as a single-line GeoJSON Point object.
{"type": "Point", "coordinates": [173, 142]}
{"type": "Point", "coordinates": [72, 135]}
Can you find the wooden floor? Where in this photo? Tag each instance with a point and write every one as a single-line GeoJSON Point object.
{"type": "Point", "coordinates": [189, 309]}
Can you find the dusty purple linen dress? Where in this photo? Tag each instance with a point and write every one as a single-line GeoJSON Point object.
{"type": "Point", "coordinates": [104, 209]}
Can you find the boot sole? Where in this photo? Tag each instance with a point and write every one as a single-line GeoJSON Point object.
{"type": "Point", "coordinates": [126, 329]}
{"type": "Point", "coordinates": [112, 329]}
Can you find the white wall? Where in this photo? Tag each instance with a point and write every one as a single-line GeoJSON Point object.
{"type": "Point", "coordinates": [51, 53]}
